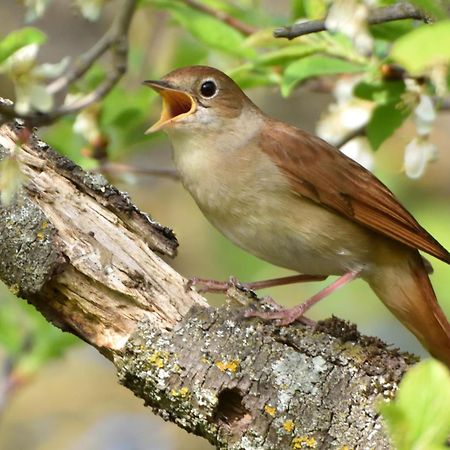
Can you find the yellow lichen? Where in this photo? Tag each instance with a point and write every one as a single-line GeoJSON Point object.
{"type": "Point", "coordinates": [270, 410]}
{"type": "Point", "coordinates": [183, 392]}
{"type": "Point", "coordinates": [231, 366]}
{"type": "Point", "coordinates": [289, 426]}
{"type": "Point", "coordinates": [14, 288]}
{"type": "Point", "coordinates": [304, 442]}
{"type": "Point", "coordinates": [40, 235]}
{"type": "Point", "coordinates": [158, 359]}
{"type": "Point", "coordinates": [345, 447]}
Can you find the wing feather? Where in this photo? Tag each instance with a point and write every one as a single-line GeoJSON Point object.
{"type": "Point", "coordinates": [320, 172]}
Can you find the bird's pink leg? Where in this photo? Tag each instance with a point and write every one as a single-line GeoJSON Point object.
{"type": "Point", "coordinates": [287, 316]}
{"type": "Point", "coordinates": [204, 285]}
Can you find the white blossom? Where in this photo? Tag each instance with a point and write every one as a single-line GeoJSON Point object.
{"type": "Point", "coordinates": [345, 116]}
{"type": "Point", "coordinates": [350, 18]}
{"type": "Point", "coordinates": [86, 123]}
{"type": "Point", "coordinates": [418, 153]}
{"type": "Point", "coordinates": [424, 115]}
{"type": "Point", "coordinates": [35, 9]}
{"type": "Point", "coordinates": [359, 150]}
{"type": "Point", "coordinates": [90, 9]}
{"type": "Point", "coordinates": [29, 79]}
{"type": "Point", "coordinates": [439, 75]}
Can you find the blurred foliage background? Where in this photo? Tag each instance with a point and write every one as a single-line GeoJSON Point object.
{"type": "Point", "coordinates": [381, 93]}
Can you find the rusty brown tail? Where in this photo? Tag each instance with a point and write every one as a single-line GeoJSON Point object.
{"type": "Point", "coordinates": [405, 288]}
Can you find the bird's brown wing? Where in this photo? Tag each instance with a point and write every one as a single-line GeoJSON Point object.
{"type": "Point", "coordinates": [323, 174]}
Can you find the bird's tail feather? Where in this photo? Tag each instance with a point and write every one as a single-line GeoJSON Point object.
{"type": "Point", "coordinates": [406, 290]}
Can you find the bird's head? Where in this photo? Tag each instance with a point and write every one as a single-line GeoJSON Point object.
{"type": "Point", "coordinates": [197, 98]}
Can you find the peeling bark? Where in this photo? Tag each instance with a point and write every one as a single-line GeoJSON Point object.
{"type": "Point", "coordinates": [89, 260]}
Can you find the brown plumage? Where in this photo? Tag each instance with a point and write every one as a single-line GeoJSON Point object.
{"type": "Point", "coordinates": [323, 174]}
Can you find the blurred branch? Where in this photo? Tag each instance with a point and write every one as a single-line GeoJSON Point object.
{"type": "Point", "coordinates": [238, 25]}
{"type": "Point", "coordinates": [117, 168]}
{"type": "Point", "coordinates": [361, 131]}
{"type": "Point", "coordinates": [399, 11]}
{"type": "Point", "coordinates": [10, 380]}
{"type": "Point", "coordinates": [85, 256]}
{"type": "Point", "coordinates": [116, 40]}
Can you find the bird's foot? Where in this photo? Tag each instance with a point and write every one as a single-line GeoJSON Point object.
{"type": "Point", "coordinates": [282, 316]}
{"type": "Point", "coordinates": [289, 315]}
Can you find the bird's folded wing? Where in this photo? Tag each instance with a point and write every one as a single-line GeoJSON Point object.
{"type": "Point", "coordinates": [323, 174]}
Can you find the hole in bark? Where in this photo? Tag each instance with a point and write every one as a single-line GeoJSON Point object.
{"type": "Point", "coordinates": [230, 409]}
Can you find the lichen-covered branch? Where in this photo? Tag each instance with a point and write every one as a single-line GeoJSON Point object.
{"type": "Point", "coordinates": [89, 260]}
{"type": "Point", "coordinates": [399, 11]}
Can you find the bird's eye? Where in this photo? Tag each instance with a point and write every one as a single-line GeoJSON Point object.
{"type": "Point", "coordinates": [208, 89]}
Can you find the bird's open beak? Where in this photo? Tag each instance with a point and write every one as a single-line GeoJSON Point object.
{"type": "Point", "coordinates": [176, 104]}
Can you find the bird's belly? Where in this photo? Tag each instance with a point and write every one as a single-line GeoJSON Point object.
{"type": "Point", "coordinates": [300, 236]}
{"type": "Point", "coordinates": [252, 205]}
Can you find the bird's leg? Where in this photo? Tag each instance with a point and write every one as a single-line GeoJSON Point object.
{"type": "Point", "coordinates": [205, 285]}
{"type": "Point", "coordinates": [289, 315]}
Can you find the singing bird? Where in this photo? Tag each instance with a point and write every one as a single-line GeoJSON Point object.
{"type": "Point", "coordinates": [294, 200]}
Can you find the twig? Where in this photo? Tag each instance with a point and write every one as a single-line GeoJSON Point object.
{"type": "Point", "coordinates": [114, 168]}
{"type": "Point", "coordinates": [238, 25]}
{"type": "Point", "coordinates": [116, 39]}
{"type": "Point", "coordinates": [10, 380]}
{"type": "Point", "coordinates": [113, 36]}
{"type": "Point", "coordinates": [398, 11]}
{"type": "Point", "coordinates": [361, 131]}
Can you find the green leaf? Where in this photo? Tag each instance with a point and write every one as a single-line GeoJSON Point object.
{"type": "Point", "coordinates": [380, 92]}
{"type": "Point", "coordinates": [419, 417]}
{"type": "Point", "coordinates": [390, 31]}
{"type": "Point", "coordinates": [432, 7]}
{"type": "Point", "coordinates": [26, 337]}
{"type": "Point", "coordinates": [386, 118]}
{"type": "Point", "coordinates": [285, 54]}
{"type": "Point", "coordinates": [18, 39]}
{"type": "Point", "coordinates": [209, 30]}
{"type": "Point", "coordinates": [298, 9]}
{"type": "Point", "coordinates": [313, 66]}
{"type": "Point", "coordinates": [423, 47]}
{"type": "Point", "coordinates": [256, 78]}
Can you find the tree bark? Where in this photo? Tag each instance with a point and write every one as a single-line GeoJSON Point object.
{"type": "Point", "coordinates": [92, 263]}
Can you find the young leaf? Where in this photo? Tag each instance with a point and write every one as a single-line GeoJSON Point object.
{"type": "Point", "coordinates": [285, 54]}
{"type": "Point", "coordinates": [381, 92]}
{"type": "Point", "coordinates": [432, 7]}
{"type": "Point", "coordinates": [386, 118]}
{"type": "Point", "coordinates": [18, 39]}
{"type": "Point", "coordinates": [419, 417]}
{"type": "Point", "coordinates": [313, 66]}
{"type": "Point", "coordinates": [209, 30]}
{"type": "Point", "coordinates": [423, 47]}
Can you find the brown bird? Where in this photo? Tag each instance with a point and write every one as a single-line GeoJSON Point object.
{"type": "Point", "coordinates": [294, 200]}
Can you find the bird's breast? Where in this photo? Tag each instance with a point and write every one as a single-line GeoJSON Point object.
{"type": "Point", "coordinates": [244, 195]}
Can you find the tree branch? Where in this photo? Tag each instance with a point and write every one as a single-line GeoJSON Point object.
{"type": "Point", "coordinates": [116, 40]}
{"type": "Point", "coordinates": [119, 168]}
{"type": "Point", "coordinates": [85, 256]}
{"type": "Point", "coordinates": [237, 24]}
{"type": "Point", "coordinates": [399, 11]}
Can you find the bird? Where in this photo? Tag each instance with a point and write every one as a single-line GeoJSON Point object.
{"type": "Point", "coordinates": [294, 200]}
